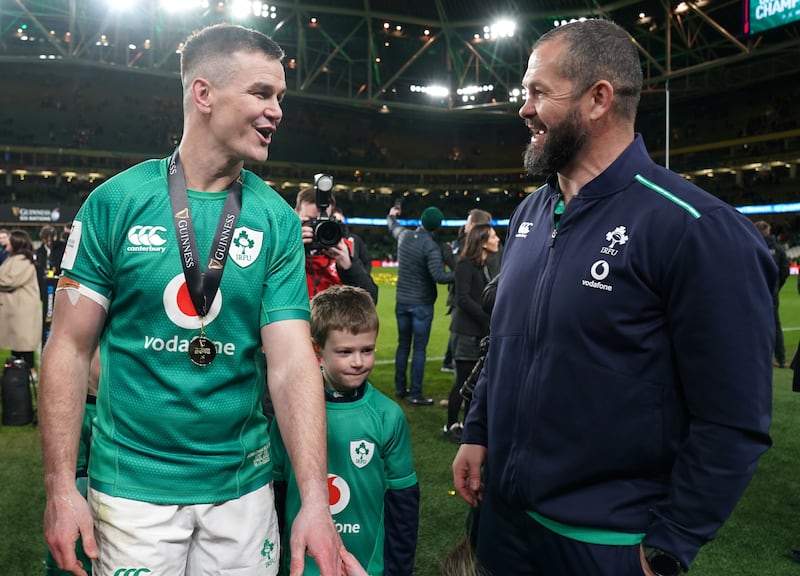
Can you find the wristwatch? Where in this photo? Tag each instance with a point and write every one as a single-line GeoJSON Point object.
{"type": "Point", "coordinates": [662, 563]}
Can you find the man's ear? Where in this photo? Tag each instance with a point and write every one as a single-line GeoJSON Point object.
{"type": "Point", "coordinates": [602, 95]}
{"type": "Point", "coordinates": [201, 95]}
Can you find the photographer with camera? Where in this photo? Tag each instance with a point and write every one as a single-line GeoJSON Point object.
{"type": "Point", "coordinates": [329, 255]}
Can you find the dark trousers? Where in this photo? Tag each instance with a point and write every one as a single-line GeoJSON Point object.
{"type": "Point", "coordinates": [795, 366]}
{"type": "Point", "coordinates": [454, 401]}
{"type": "Point", "coordinates": [511, 542]}
{"type": "Point", "coordinates": [413, 326]}
{"type": "Point", "coordinates": [780, 349]}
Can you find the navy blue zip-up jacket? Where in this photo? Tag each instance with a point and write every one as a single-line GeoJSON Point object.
{"type": "Point", "coordinates": [628, 381]}
{"type": "Point", "coordinates": [420, 264]}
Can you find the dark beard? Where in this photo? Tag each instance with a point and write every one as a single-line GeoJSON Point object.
{"type": "Point", "coordinates": [563, 142]}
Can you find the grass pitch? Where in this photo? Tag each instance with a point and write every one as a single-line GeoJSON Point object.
{"type": "Point", "coordinates": [753, 542]}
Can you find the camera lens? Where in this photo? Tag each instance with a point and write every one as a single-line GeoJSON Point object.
{"type": "Point", "coordinates": [328, 233]}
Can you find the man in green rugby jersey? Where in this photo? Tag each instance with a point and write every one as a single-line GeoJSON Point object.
{"type": "Point", "coordinates": [183, 269]}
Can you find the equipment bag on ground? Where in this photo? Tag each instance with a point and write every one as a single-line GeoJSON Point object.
{"type": "Point", "coordinates": [15, 388]}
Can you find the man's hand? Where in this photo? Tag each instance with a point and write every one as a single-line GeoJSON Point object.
{"type": "Point", "coordinates": [307, 232]}
{"type": "Point", "coordinates": [67, 517]}
{"type": "Point", "coordinates": [313, 533]}
{"type": "Point", "coordinates": [467, 467]}
{"type": "Point", "coordinates": [645, 565]}
{"type": "Point", "coordinates": [341, 254]}
{"type": "Point", "coordinates": [351, 565]}
{"type": "Point", "coordinates": [396, 211]}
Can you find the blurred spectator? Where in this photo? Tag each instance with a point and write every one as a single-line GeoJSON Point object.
{"type": "Point", "coordinates": [470, 321]}
{"type": "Point", "coordinates": [360, 250]}
{"type": "Point", "coordinates": [420, 268]}
{"type": "Point", "coordinates": [20, 309]}
{"type": "Point", "coordinates": [450, 252]}
{"type": "Point", "coordinates": [48, 255]}
{"type": "Point", "coordinates": [66, 232]}
{"type": "Point", "coordinates": [782, 261]}
{"type": "Point", "coordinates": [48, 263]}
{"type": "Point", "coordinates": [4, 238]}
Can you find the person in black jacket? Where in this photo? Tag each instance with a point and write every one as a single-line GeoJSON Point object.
{"type": "Point", "coordinates": [782, 261]}
{"type": "Point", "coordinates": [49, 254]}
{"type": "Point", "coordinates": [450, 252]}
{"type": "Point", "coordinates": [470, 321]}
{"type": "Point", "coordinates": [48, 263]}
{"type": "Point", "coordinates": [360, 250]}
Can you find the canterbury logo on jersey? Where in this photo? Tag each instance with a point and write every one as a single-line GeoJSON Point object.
{"type": "Point", "coordinates": [146, 239]}
{"type": "Point", "coordinates": [132, 571]}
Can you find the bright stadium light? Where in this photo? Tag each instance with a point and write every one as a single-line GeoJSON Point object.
{"type": "Point", "coordinates": [516, 95]}
{"type": "Point", "coordinates": [472, 90]}
{"type": "Point", "coordinates": [501, 29]}
{"type": "Point", "coordinates": [241, 8]}
{"type": "Point", "coordinates": [244, 8]}
{"type": "Point", "coordinates": [436, 91]}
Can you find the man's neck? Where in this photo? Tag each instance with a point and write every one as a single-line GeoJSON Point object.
{"type": "Point", "coordinates": [205, 173]}
{"type": "Point", "coordinates": [591, 162]}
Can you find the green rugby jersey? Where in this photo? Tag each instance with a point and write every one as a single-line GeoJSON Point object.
{"type": "Point", "coordinates": [168, 431]}
{"type": "Point", "coordinates": [369, 452]}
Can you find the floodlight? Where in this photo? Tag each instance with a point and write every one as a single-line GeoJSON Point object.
{"type": "Point", "coordinates": [242, 8]}
{"type": "Point", "coordinates": [438, 91]}
{"type": "Point", "coordinates": [502, 29]}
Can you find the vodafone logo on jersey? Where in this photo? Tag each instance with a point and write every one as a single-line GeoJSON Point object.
{"type": "Point", "coordinates": [338, 493]}
{"type": "Point", "coordinates": [338, 499]}
{"type": "Point", "coordinates": [180, 309]}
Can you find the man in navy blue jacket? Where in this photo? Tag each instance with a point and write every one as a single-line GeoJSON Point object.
{"type": "Point", "coordinates": [625, 399]}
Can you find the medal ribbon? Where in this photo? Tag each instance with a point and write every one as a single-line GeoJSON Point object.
{"type": "Point", "coordinates": [202, 286]}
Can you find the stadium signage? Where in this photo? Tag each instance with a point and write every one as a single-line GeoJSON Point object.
{"type": "Point", "coordinates": [32, 213]}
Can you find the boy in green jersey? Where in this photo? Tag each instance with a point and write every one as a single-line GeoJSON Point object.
{"type": "Point", "coordinates": [374, 492]}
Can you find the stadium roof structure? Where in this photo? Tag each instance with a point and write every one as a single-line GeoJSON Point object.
{"type": "Point", "coordinates": [386, 55]}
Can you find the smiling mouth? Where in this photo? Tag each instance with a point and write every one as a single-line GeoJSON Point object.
{"type": "Point", "coordinates": [266, 133]}
{"type": "Point", "coordinates": [535, 134]}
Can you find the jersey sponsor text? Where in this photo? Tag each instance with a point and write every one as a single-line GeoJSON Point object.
{"type": "Point", "coordinates": [176, 344]}
{"type": "Point", "coordinates": [345, 528]}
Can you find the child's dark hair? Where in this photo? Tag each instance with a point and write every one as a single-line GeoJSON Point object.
{"type": "Point", "coordinates": [346, 308]}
